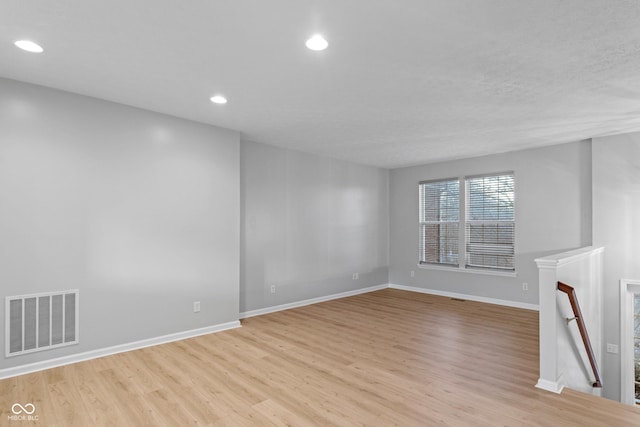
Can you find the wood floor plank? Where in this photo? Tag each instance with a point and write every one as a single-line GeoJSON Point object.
{"type": "Point", "coordinates": [386, 358]}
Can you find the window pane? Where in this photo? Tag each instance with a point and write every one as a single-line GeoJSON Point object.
{"type": "Point", "coordinates": [440, 201]}
{"type": "Point", "coordinates": [439, 222]}
{"type": "Point", "coordinates": [490, 198]}
{"type": "Point", "coordinates": [439, 243]}
{"type": "Point", "coordinates": [490, 222]}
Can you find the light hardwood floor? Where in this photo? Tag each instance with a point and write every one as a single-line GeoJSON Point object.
{"type": "Point", "coordinates": [387, 358]}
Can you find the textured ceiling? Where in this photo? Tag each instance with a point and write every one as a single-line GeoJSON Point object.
{"type": "Point", "coordinates": [402, 82]}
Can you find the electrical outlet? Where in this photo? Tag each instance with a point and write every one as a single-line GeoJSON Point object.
{"type": "Point", "coordinates": [525, 286]}
{"type": "Point", "coordinates": [355, 276]}
{"type": "Point", "coordinates": [273, 289]}
{"type": "Point", "coordinates": [612, 348]}
{"type": "Point", "coordinates": [196, 306]}
{"type": "Point", "coordinates": [413, 273]}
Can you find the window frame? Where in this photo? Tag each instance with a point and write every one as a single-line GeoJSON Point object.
{"type": "Point", "coordinates": [462, 229]}
{"type": "Point", "coordinates": [422, 223]}
{"type": "Point", "coordinates": [468, 222]}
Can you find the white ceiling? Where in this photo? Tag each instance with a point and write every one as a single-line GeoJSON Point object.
{"type": "Point", "coordinates": [402, 82]}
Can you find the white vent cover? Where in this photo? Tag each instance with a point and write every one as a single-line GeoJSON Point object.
{"type": "Point", "coordinates": [41, 321]}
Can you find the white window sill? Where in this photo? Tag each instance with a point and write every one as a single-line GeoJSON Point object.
{"type": "Point", "coordinates": [455, 269]}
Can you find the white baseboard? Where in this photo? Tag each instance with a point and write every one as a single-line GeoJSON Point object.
{"type": "Point", "coordinates": [302, 303]}
{"type": "Point", "coordinates": [552, 386]}
{"type": "Point", "coordinates": [94, 354]}
{"type": "Point", "coordinates": [507, 303]}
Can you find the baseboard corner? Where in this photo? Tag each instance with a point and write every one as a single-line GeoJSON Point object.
{"type": "Point", "coordinates": [302, 303]}
{"type": "Point", "coordinates": [552, 386]}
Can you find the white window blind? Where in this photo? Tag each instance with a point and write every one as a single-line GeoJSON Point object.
{"type": "Point", "coordinates": [490, 222]}
{"type": "Point", "coordinates": [439, 221]}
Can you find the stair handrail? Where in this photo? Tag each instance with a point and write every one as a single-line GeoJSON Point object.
{"type": "Point", "coordinates": [577, 313]}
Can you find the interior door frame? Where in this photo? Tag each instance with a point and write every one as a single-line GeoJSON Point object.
{"type": "Point", "coordinates": [628, 287]}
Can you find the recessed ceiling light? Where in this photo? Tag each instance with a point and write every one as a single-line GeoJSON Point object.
{"type": "Point", "coordinates": [317, 42]}
{"type": "Point", "coordinates": [29, 46]}
{"type": "Point", "coordinates": [218, 99]}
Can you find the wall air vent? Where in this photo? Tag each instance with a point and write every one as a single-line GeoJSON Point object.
{"type": "Point", "coordinates": [41, 321]}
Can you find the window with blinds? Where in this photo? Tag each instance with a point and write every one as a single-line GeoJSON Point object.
{"type": "Point", "coordinates": [490, 222]}
{"type": "Point", "coordinates": [468, 222]}
{"type": "Point", "coordinates": [439, 221]}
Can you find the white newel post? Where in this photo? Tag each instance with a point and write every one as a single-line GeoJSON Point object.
{"type": "Point", "coordinates": [550, 377]}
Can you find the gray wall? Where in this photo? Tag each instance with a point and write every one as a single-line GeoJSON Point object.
{"type": "Point", "coordinates": [553, 214]}
{"type": "Point", "coordinates": [146, 213]}
{"type": "Point", "coordinates": [616, 226]}
{"type": "Point", "coordinates": [138, 210]}
{"type": "Point", "coordinates": [308, 224]}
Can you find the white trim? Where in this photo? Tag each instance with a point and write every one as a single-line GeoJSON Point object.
{"type": "Point", "coordinates": [94, 354]}
{"type": "Point", "coordinates": [627, 289]}
{"type": "Point", "coordinates": [507, 303]}
{"type": "Point", "coordinates": [487, 175]}
{"type": "Point", "coordinates": [554, 261]}
{"type": "Point", "coordinates": [458, 269]}
{"type": "Point", "coordinates": [267, 310]}
{"type": "Point", "coordinates": [552, 386]}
